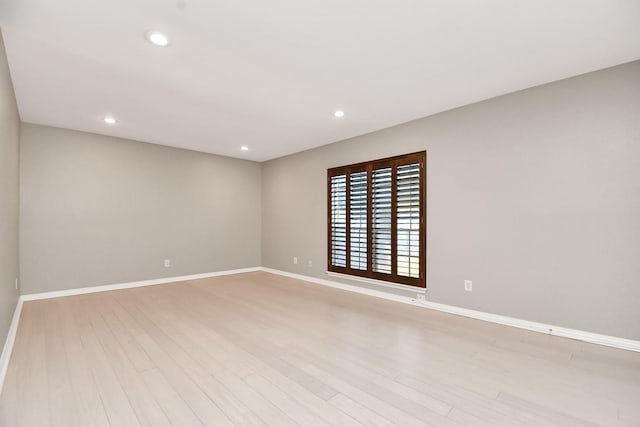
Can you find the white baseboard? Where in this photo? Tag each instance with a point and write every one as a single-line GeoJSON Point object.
{"type": "Point", "coordinates": [576, 334]}
{"type": "Point", "coordinates": [8, 344]}
{"type": "Point", "coordinates": [343, 286]}
{"type": "Point", "coordinates": [590, 337]}
{"type": "Point", "coordinates": [128, 285]}
{"type": "Point", "coordinates": [378, 283]}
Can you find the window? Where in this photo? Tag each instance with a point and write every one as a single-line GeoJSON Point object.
{"type": "Point", "coordinates": [376, 225]}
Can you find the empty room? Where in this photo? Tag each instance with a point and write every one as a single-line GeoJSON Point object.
{"type": "Point", "coordinates": [315, 213]}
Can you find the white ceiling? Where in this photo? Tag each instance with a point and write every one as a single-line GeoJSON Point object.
{"type": "Point", "coordinates": [270, 74]}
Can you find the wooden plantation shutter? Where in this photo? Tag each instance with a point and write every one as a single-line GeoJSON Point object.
{"type": "Point", "coordinates": [338, 234]}
{"type": "Point", "coordinates": [381, 210]}
{"type": "Point", "coordinates": [376, 219]}
{"type": "Point", "coordinates": [408, 220]}
{"type": "Point", "coordinates": [358, 226]}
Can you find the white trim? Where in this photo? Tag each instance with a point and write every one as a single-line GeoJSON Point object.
{"type": "Point", "coordinates": [607, 340]}
{"type": "Point", "coordinates": [590, 337]}
{"type": "Point", "coordinates": [576, 334]}
{"type": "Point", "coordinates": [8, 344]}
{"type": "Point", "coordinates": [376, 282]}
{"type": "Point", "coordinates": [128, 285]}
{"type": "Point", "coordinates": [342, 286]}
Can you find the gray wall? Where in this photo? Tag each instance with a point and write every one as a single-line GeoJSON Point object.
{"type": "Point", "coordinates": [98, 210]}
{"type": "Point", "coordinates": [535, 196]}
{"type": "Point", "coordinates": [9, 162]}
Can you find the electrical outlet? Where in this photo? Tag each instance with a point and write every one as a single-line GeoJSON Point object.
{"type": "Point", "coordinates": [309, 263]}
{"type": "Point", "coordinates": [295, 259]}
{"type": "Point", "coordinates": [468, 285]}
{"type": "Point", "coordinates": [421, 297]}
{"type": "Point", "coordinates": [167, 263]}
{"type": "Point", "coordinates": [17, 285]}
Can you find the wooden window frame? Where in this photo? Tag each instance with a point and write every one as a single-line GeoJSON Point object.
{"type": "Point", "coordinates": [393, 163]}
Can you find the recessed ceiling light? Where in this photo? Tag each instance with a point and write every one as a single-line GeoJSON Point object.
{"type": "Point", "coordinates": [244, 148]}
{"type": "Point", "coordinates": [339, 113]}
{"type": "Point", "coordinates": [157, 38]}
{"type": "Point", "coordinates": [109, 120]}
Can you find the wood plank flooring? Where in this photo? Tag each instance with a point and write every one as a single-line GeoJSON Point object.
{"type": "Point", "coordinates": [258, 349]}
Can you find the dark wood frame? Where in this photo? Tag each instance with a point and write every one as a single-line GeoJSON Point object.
{"type": "Point", "coordinates": [393, 162]}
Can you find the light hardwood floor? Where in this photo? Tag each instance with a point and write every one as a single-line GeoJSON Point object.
{"type": "Point", "coordinates": [259, 349]}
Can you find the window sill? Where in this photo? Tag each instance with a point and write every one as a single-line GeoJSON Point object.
{"type": "Point", "coordinates": [409, 288]}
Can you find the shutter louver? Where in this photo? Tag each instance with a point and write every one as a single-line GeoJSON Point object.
{"type": "Point", "coordinates": [381, 220]}
{"type": "Point", "coordinates": [358, 220]}
{"type": "Point", "coordinates": [339, 221]}
{"type": "Point", "coordinates": [408, 220]}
